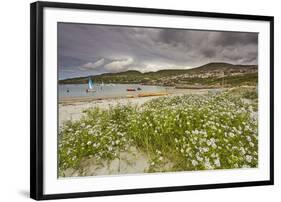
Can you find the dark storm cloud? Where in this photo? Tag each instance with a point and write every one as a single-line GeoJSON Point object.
{"type": "Point", "coordinates": [230, 39]}
{"type": "Point", "coordinates": [93, 49]}
{"type": "Point", "coordinates": [209, 52]}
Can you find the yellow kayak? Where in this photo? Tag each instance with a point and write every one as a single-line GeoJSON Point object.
{"type": "Point", "coordinates": [151, 94]}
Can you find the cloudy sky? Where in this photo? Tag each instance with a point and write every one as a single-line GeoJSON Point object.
{"type": "Point", "coordinates": [85, 49]}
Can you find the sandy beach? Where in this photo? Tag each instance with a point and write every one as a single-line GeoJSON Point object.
{"type": "Point", "coordinates": [71, 108]}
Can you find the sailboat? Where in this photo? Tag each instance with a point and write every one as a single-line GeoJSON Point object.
{"type": "Point", "coordinates": [90, 86]}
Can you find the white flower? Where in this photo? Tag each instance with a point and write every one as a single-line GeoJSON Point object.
{"type": "Point", "coordinates": [242, 151]}
{"type": "Point", "coordinates": [217, 162]}
{"type": "Point", "coordinates": [194, 163]}
{"type": "Point", "coordinates": [196, 132]}
{"type": "Point", "coordinates": [89, 142]}
{"type": "Point", "coordinates": [252, 144]}
{"type": "Point", "coordinates": [249, 158]}
{"type": "Point", "coordinates": [199, 158]}
{"type": "Point", "coordinates": [205, 149]}
{"type": "Point", "coordinates": [207, 165]}
{"type": "Point", "coordinates": [211, 141]}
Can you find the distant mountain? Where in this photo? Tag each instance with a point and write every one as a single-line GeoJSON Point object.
{"type": "Point", "coordinates": [129, 72]}
{"type": "Point", "coordinates": [133, 76]}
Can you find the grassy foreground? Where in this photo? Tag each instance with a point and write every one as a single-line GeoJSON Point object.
{"type": "Point", "coordinates": [180, 133]}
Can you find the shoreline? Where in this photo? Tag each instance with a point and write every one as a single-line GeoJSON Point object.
{"type": "Point", "coordinates": [72, 108]}
{"type": "Point", "coordinates": [168, 92]}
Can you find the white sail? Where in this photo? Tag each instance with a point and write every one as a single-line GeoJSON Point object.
{"type": "Point", "coordinates": [90, 83]}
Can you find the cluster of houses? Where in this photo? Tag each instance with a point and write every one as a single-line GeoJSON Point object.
{"type": "Point", "coordinates": [178, 79]}
{"type": "Point", "coordinates": [216, 74]}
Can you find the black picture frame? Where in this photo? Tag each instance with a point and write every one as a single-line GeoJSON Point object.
{"type": "Point", "coordinates": [36, 98]}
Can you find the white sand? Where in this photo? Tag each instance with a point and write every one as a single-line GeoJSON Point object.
{"type": "Point", "coordinates": [129, 162]}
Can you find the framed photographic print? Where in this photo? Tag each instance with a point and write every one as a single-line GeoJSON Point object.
{"type": "Point", "coordinates": [135, 100]}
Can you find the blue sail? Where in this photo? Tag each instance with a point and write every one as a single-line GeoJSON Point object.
{"type": "Point", "coordinates": [90, 83]}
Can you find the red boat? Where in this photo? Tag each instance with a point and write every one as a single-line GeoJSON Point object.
{"type": "Point", "coordinates": [131, 89]}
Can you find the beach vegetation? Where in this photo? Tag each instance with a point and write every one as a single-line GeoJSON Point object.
{"type": "Point", "coordinates": [177, 133]}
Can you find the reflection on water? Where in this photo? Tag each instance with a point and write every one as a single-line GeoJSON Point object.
{"type": "Point", "coordinates": [107, 90]}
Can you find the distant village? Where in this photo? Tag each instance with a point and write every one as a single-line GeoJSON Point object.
{"type": "Point", "coordinates": [179, 81]}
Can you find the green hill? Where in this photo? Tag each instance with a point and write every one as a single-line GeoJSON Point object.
{"type": "Point", "coordinates": [207, 74]}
